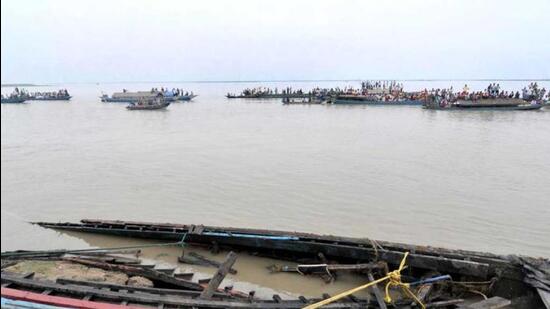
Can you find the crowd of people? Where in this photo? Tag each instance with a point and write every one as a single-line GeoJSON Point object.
{"type": "Point", "coordinates": [533, 92]}
{"type": "Point", "coordinates": [446, 96]}
{"type": "Point", "coordinates": [389, 86]}
{"type": "Point", "coordinates": [176, 92]}
{"type": "Point", "coordinates": [24, 94]}
{"type": "Point", "coordinates": [264, 91]}
{"type": "Point", "coordinates": [61, 93]}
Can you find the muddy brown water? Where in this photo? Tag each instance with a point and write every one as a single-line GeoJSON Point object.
{"type": "Point", "coordinates": [477, 180]}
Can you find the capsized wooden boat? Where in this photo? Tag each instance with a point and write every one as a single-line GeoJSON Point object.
{"type": "Point", "coordinates": [512, 277]}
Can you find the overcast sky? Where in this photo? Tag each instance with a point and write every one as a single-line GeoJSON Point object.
{"type": "Point", "coordinates": [49, 41]}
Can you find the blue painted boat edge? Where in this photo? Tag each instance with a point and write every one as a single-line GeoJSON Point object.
{"type": "Point", "coordinates": [10, 303]}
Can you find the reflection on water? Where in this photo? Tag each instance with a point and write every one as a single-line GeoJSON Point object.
{"type": "Point", "coordinates": [471, 180]}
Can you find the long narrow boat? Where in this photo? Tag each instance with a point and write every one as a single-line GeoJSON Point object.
{"type": "Point", "coordinates": [519, 107]}
{"type": "Point", "coordinates": [50, 98]}
{"type": "Point", "coordinates": [271, 96]}
{"type": "Point", "coordinates": [504, 104]}
{"type": "Point", "coordinates": [133, 97]}
{"type": "Point", "coordinates": [13, 100]}
{"type": "Point", "coordinates": [306, 101]}
{"type": "Point", "coordinates": [368, 100]}
{"type": "Point", "coordinates": [512, 277]}
{"type": "Point", "coordinates": [153, 106]}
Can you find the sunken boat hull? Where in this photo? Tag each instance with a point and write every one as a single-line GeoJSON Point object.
{"type": "Point", "coordinates": [294, 245]}
{"type": "Point", "coordinates": [518, 279]}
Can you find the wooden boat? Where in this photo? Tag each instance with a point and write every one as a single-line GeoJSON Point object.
{"type": "Point", "coordinates": [147, 106]}
{"type": "Point", "coordinates": [512, 277]}
{"type": "Point", "coordinates": [489, 107]}
{"type": "Point", "coordinates": [369, 100]}
{"type": "Point", "coordinates": [50, 98]}
{"type": "Point", "coordinates": [133, 97]}
{"type": "Point", "coordinates": [304, 101]}
{"type": "Point", "coordinates": [13, 100]}
{"type": "Point", "coordinates": [271, 96]}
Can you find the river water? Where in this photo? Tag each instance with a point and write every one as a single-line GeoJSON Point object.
{"type": "Point", "coordinates": [473, 180]}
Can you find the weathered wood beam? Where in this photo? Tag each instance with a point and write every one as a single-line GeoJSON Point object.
{"type": "Point", "coordinates": [377, 292]}
{"type": "Point", "coordinates": [150, 274]}
{"type": "Point", "coordinates": [217, 279]}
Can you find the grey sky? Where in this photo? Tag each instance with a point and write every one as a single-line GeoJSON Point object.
{"type": "Point", "coordinates": [48, 41]}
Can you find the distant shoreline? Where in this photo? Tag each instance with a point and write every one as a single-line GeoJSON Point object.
{"type": "Point", "coordinates": [20, 85]}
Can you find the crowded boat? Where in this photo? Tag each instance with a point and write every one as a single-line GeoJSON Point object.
{"type": "Point", "coordinates": [170, 95]}
{"type": "Point", "coordinates": [287, 92]}
{"type": "Point", "coordinates": [149, 104]}
{"type": "Point", "coordinates": [14, 97]}
{"type": "Point", "coordinates": [491, 97]}
{"type": "Point", "coordinates": [378, 93]}
{"type": "Point", "coordinates": [59, 95]}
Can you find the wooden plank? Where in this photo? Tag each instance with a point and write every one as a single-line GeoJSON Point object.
{"type": "Point", "coordinates": [144, 272]}
{"type": "Point", "coordinates": [545, 297]}
{"type": "Point", "coordinates": [495, 302]}
{"type": "Point", "coordinates": [323, 268]}
{"type": "Point", "coordinates": [153, 299]}
{"type": "Point", "coordinates": [197, 259]}
{"type": "Point", "coordinates": [423, 291]}
{"type": "Point", "coordinates": [184, 276]}
{"type": "Point", "coordinates": [377, 293]}
{"type": "Point", "coordinates": [168, 271]}
{"type": "Point", "coordinates": [127, 288]}
{"type": "Point", "coordinates": [220, 274]}
{"type": "Point", "coordinates": [444, 303]}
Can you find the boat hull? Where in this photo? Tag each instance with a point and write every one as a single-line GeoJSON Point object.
{"type": "Point", "coordinates": [270, 96]}
{"type": "Point", "coordinates": [523, 107]}
{"type": "Point", "coordinates": [185, 97]}
{"type": "Point", "coordinates": [147, 107]}
{"type": "Point", "coordinates": [130, 100]}
{"type": "Point", "coordinates": [378, 102]}
{"type": "Point", "coordinates": [281, 244]}
{"type": "Point", "coordinates": [67, 98]}
{"type": "Point", "coordinates": [13, 100]}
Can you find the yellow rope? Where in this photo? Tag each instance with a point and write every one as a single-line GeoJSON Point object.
{"type": "Point", "coordinates": [394, 278]}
